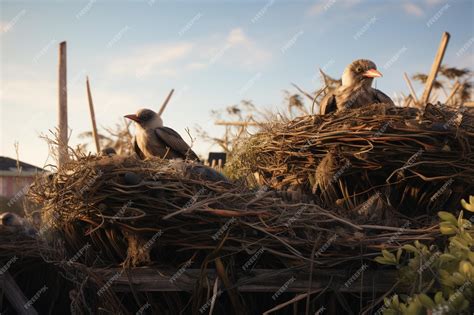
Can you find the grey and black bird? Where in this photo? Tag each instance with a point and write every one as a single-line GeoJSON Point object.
{"type": "Point", "coordinates": [154, 140]}
{"type": "Point", "coordinates": [356, 89]}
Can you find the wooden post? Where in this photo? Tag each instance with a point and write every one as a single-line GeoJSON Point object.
{"type": "Point", "coordinates": [236, 123]}
{"type": "Point", "coordinates": [14, 295]}
{"type": "Point", "coordinates": [410, 87]}
{"type": "Point", "coordinates": [94, 125]}
{"type": "Point", "coordinates": [163, 106]}
{"type": "Point", "coordinates": [435, 68]}
{"type": "Point", "coordinates": [63, 141]}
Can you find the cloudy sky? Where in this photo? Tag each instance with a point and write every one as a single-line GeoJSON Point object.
{"type": "Point", "coordinates": [214, 53]}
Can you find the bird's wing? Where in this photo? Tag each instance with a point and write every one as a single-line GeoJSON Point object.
{"type": "Point", "coordinates": [137, 149]}
{"type": "Point", "coordinates": [174, 141]}
{"type": "Point", "coordinates": [383, 98]}
{"type": "Point", "coordinates": [328, 104]}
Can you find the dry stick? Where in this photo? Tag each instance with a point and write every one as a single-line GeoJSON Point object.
{"type": "Point", "coordinates": [412, 91]}
{"type": "Point", "coordinates": [455, 88]}
{"type": "Point", "coordinates": [91, 109]}
{"type": "Point", "coordinates": [163, 106]}
{"type": "Point", "coordinates": [295, 299]}
{"type": "Point", "coordinates": [303, 92]}
{"type": "Point", "coordinates": [62, 96]}
{"type": "Point", "coordinates": [435, 68]}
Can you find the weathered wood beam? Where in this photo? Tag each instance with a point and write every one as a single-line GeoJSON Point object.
{"type": "Point", "coordinates": [236, 123]}
{"type": "Point", "coordinates": [257, 280]}
{"type": "Point", "coordinates": [94, 124]}
{"type": "Point", "coordinates": [62, 86]}
{"type": "Point", "coordinates": [14, 295]}
{"type": "Point", "coordinates": [435, 68]}
{"type": "Point", "coordinates": [165, 103]}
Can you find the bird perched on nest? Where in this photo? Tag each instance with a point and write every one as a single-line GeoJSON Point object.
{"type": "Point", "coordinates": [356, 89]}
{"type": "Point", "coordinates": [153, 139]}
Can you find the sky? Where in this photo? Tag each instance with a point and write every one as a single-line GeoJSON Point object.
{"type": "Point", "coordinates": [213, 53]}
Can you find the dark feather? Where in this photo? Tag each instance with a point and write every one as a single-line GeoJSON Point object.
{"type": "Point", "coordinates": [137, 150]}
{"type": "Point", "coordinates": [174, 141]}
{"type": "Point", "coordinates": [328, 104]}
{"type": "Point", "coordinates": [382, 97]}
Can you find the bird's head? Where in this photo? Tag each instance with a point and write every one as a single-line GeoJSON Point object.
{"type": "Point", "coordinates": [361, 71]}
{"type": "Point", "coordinates": [146, 119]}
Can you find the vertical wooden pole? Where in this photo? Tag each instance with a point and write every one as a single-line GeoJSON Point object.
{"type": "Point", "coordinates": [435, 68]}
{"type": "Point", "coordinates": [163, 106]}
{"type": "Point", "coordinates": [91, 109]}
{"type": "Point", "coordinates": [63, 141]}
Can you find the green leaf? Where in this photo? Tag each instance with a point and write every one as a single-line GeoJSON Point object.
{"type": "Point", "coordinates": [399, 254]}
{"type": "Point", "coordinates": [438, 298]}
{"type": "Point", "coordinates": [384, 261]}
{"type": "Point", "coordinates": [426, 301]}
{"type": "Point", "coordinates": [389, 256]}
{"type": "Point", "coordinates": [447, 216]}
{"type": "Point", "coordinates": [410, 248]}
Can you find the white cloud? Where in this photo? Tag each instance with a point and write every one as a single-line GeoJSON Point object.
{"type": "Point", "coordinates": [172, 59]}
{"type": "Point", "coordinates": [150, 59]}
{"type": "Point", "coordinates": [324, 5]}
{"type": "Point", "coordinates": [239, 49]}
{"type": "Point", "coordinates": [412, 9]}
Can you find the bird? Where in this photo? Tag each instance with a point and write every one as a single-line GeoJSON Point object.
{"type": "Point", "coordinates": [153, 139]}
{"type": "Point", "coordinates": [356, 89]}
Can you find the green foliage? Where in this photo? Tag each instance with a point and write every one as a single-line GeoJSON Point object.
{"type": "Point", "coordinates": [438, 282]}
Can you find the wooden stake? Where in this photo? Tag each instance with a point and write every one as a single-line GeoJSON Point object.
{"type": "Point", "coordinates": [435, 68]}
{"type": "Point", "coordinates": [91, 109]}
{"type": "Point", "coordinates": [63, 139]}
{"type": "Point", "coordinates": [236, 123]}
{"type": "Point", "coordinates": [410, 87]}
{"type": "Point", "coordinates": [162, 109]}
{"type": "Point", "coordinates": [15, 296]}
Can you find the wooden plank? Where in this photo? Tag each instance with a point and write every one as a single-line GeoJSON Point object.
{"type": "Point", "coordinates": [257, 280]}
{"type": "Point", "coordinates": [15, 295]}
{"type": "Point", "coordinates": [163, 106]}
{"type": "Point", "coordinates": [62, 85]}
{"type": "Point", "coordinates": [236, 123]}
{"type": "Point", "coordinates": [435, 68]}
{"type": "Point", "coordinates": [91, 109]}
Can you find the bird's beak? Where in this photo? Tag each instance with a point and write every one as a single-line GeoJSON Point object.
{"type": "Point", "coordinates": [132, 117]}
{"type": "Point", "coordinates": [372, 73]}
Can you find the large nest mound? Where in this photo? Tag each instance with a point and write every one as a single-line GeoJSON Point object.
{"type": "Point", "coordinates": [134, 212]}
{"type": "Point", "coordinates": [418, 161]}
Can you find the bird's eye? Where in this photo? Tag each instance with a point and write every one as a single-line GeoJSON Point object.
{"type": "Point", "coordinates": [359, 69]}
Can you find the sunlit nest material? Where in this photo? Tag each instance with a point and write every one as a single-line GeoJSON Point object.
{"type": "Point", "coordinates": [416, 161]}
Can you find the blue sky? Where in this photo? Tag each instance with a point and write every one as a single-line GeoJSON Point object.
{"type": "Point", "coordinates": [214, 53]}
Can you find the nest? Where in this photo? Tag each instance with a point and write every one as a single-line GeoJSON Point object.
{"type": "Point", "coordinates": [420, 162]}
{"type": "Point", "coordinates": [352, 166]}
{"type": "Point", "coordinates": [119, 204]}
